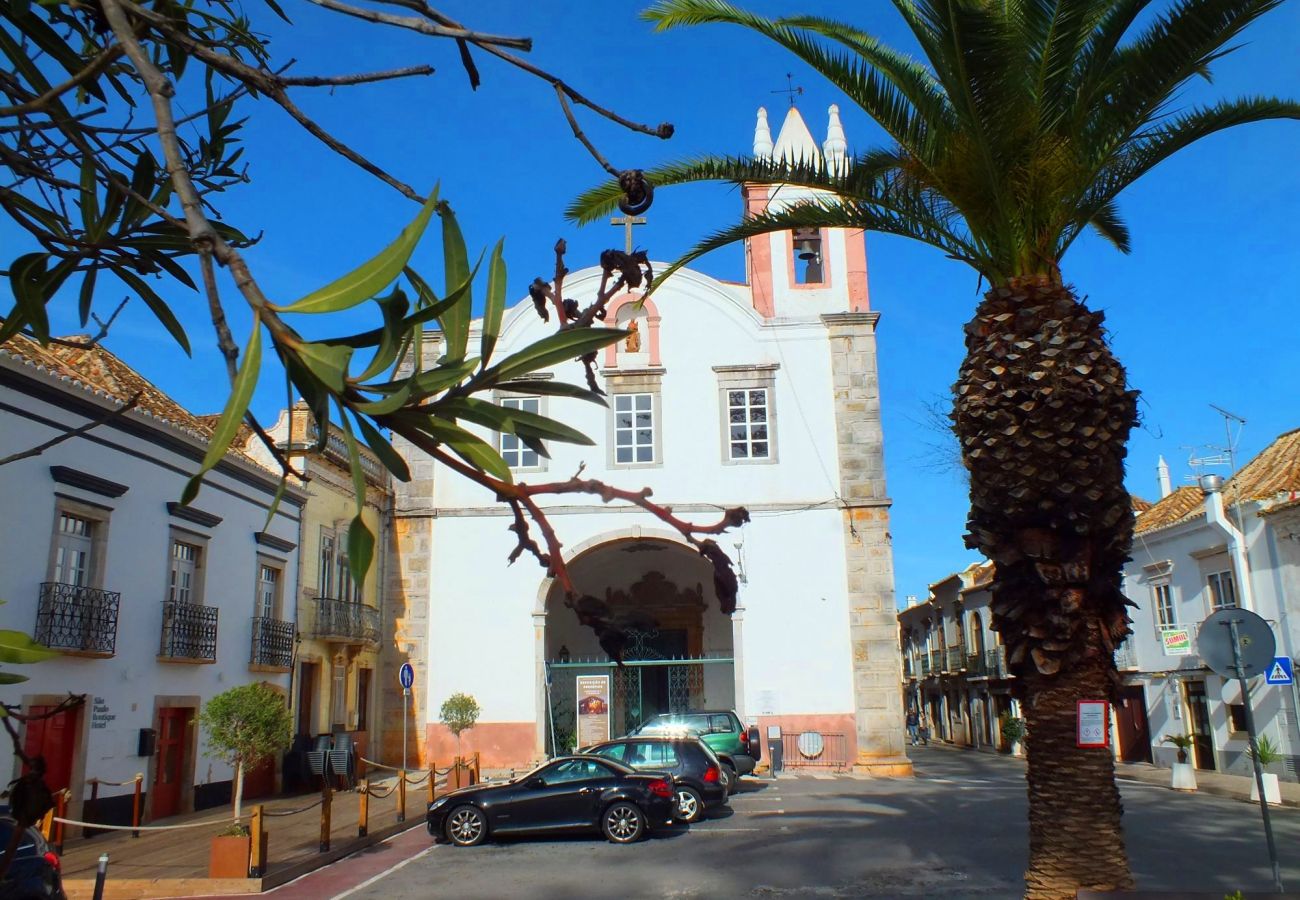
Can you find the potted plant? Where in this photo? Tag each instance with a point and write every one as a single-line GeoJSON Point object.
{"type": "Point", "coordinates": [1013, 731]}
{"type": "Point", "coordinates": [1267, 753]}
{"type": "Point", "coordinates": [459, 713]}
{"type": "Point", "coordinates": [245, 725]}
{"type": "Point", "coordinates": [1184, 778]}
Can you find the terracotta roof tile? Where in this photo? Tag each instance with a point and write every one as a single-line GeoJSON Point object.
{"type": "Point", "coordinates": [1139, 505]}
{"type": "Point", "coordinates": [1170, 509]}
{"type": "Point", "coordinates": [1276, 470]}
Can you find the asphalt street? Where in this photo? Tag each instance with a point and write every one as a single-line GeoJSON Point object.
{"type": "Point", "coordinates": [957, 830]}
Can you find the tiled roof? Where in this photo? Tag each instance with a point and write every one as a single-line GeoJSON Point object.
{"type": "Point", "coordinates": [1274, 471]}
{"type": "Point", "coordinates": [1170, 509]}
{"type": "Point", "coordinates": [242, 435]}
{"type": "Point", "coordinates": [1139, 505]}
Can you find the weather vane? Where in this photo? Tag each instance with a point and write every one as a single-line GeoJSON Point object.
{"type": "Point", "coordinates": [790, 88]}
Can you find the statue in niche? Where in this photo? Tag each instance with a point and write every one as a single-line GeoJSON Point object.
{"type": "Point", "coordinates": [633, 342]}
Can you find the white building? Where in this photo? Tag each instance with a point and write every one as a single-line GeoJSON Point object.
{"type": "Point", "coordinates": [761, 394]}
{"type": "Point", "coordinates": [156, 606]}
{"type": "Point", "coordinates": [1195, 552]}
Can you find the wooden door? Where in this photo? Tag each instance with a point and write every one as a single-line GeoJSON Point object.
{"type": "Point", "coordinates": [55, 739]}
{"type": "Point", "coordinates": [1134, 732]}
{"type": "Point", "coordinates": [259, 781]}
{"type": "Point", "coordinates": [1201, 731]}
{"type": "Point", "coordinates": [173, 734]}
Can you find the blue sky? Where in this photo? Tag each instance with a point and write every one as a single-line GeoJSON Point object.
{"type": "Point", "coordinates": [1203, 311]}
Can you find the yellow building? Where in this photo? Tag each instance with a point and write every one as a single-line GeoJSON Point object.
{"type": "Point", "coordinates": [339, 632]}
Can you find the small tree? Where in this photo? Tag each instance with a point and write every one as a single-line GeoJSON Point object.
{"type": "Point", "coordinates": [245, 725]}
{"type": "Point", "coordinates": [459, 713]}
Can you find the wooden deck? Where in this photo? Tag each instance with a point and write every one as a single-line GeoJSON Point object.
{"type": "Point", "coordinates": [175, 863]}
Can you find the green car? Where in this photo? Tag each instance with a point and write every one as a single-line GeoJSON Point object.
{"type": "Point", "coordinates": [735, 746]}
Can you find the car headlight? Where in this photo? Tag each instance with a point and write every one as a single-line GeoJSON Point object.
{"type": "Point", "coordinates": [441, 801]}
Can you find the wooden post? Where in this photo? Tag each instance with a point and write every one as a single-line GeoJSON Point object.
{"type": "Point", "coordinates": [326, 798]}
{"type": "Point", "coordinates": [478, 767]}
{"type": "Point", "coordinates": [47, 824]}
{"type": "Point", "coordinates": [432, 788]}
{"type": "Point", "coordinates": [135, 805]}
{"type": "Point", "coordinates": [257, 835]}
{"type": "Point", "coordinates": [363, 823]}
{"type": "Point", "coordinates": [61, 812]}
{"type": "Point", "coordinates": [401, 796]}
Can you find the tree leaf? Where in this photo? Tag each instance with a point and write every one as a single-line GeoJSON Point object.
{"type": "Point", "coordinates": [162, 312]}
{"type": "Point", "coordinates": [455, 261]}
{"type": "Point", "coordinates": [241, 392]}
{"type": "Point", "coordinates": [504, 419]}
{"type": "Point", "coordinates": [391, 459]}
{"type": "Point", "coordinates": [370, 277]}
{"type": "Point", "coordinates": [553, 389]}
{"type": "Point", "coordinates": [361, 549]}
{"type": "Point", "coordinates": [431, 381]}
{"type": "Point", "coordinates": [469, 447]}
{"type": "Point", "coordinates": [563, 345]}
{"type": "Point", "coordinates": [12, 678]}
{"type": "Point", "coordinates": [86, 296]}
{"type": "Point", "coordinates": [327, 362]}
{"type": "Point", "coordinates": [19, 648]}
{"type": "Point", "coordinates": [25, 275]}
{"type": "Point", "coordinates": [495, 305]}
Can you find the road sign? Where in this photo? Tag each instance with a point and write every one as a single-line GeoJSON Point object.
{"type": "Point", "coordinates": [1280, 671]}
{"type": "Point", "coordinates": [1214, 642]}
{"type": "Point", "coordinates": [406, 675]}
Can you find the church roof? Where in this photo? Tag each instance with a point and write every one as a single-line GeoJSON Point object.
{"type": "Point", "coordinates": [795, 142]}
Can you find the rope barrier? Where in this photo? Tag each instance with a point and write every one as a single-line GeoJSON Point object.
{"type": "Point", "coordinates": [421, 780]}
{"type": "Point", "coordinates": [131, 783]}
{"type": "Point", "coordinates": [292, 812]}
{"type": "Point", "coordinates": [374, 792]}
{"type": "Point", "coordinates": [99, 827]}
{"type": "Point", "coordinates": [371, 762]}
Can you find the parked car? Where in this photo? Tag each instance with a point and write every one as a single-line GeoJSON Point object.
{"type": "Point", "coordinates": [34, 872]}
{"type": "Point", "coordinates": [736, 747]}
{"type": "Point", "coordinates": [695, 769]}
{"type": "Point", "coordinates": [572, 793]}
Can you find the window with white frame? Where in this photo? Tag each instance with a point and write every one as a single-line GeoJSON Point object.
{"type": "Point", "coordinates": [325, 582]}
{"type": "Point", "coordinates": [747, 424]}
{"type": "Point", "coordinates": [1162, 600]}
{"type": "Point", "coordinates": [268, 591]}
{"type": "Point", "coordinates": [1223, 590]}
{"type": "Point", "coordinates": [515, 452]}
{"type": "Point", "coordinates": [183, 586]}
{"type": "Point", "coordinates": [73, 549]}
{"type": "Point", "coordinates": [634, 428]}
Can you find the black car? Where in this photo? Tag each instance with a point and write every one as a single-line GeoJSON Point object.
{"type": "Point", "coordinates": [696, 772]}
{"type": "Point", "coordinates": [572, 793]}
{"type": "Point", "coordinates": [34, 872]}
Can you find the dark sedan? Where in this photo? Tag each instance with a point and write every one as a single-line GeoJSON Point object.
{"type": "Point", "coordinates": [572, 793]}
{"type": "Point", "coordinates": [34, 872]}
{"type": "Point", "coordinates": [695, 770]}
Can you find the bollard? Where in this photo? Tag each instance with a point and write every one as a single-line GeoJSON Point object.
{"type": "Point", "coordinates": [401, 796]}
{"type": "Point", "coordinates": [478, 768]}
{"type": "Point", "coordinates": [135, 805]}
{"type": "Point", "coordinates": [61, 812]}
{"type": "Point", "coordinates": [363, 822]}
{"type": "Point", "coordinates": [47, 824]}
{"type": "Point", "coordinates": [432, 790]}
{"type": "Point", "coordinates": [101, 873]}
{"type": "Point", "coordinates": [257, 843]}
{"type": "Point", "coordinates": [326, 798]}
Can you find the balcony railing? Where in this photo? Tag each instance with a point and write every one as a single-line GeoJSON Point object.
{"type": "Point", "coordinates": [975, 665]}
{"type": "Point", "coordinates": [925, 667]}
{"type": "Point", "coordinates": [351, 622]}
{"type": "Point", "coordinates": [1126, 657]}
{"type": "Point", "coordinates": [995, 662]}
{"type": "Point", "coordinates": [956, 659]}
{"type": "Point", "coordinates": [936, 660]}
{"type": "Point", "coordinates": [189, 632]}
{"type": "Point", "coordinates": [71, 617]}
{"type": "Point", "coordinates": [272, 643]}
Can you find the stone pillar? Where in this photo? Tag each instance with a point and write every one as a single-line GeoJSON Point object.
{"type": "Point", "coordinates": [873, 624]}
{"type": "Point", "coordinates": [407, 599]}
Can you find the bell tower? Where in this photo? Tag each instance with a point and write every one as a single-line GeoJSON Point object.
{"type": "Point", "coordinates": [809, 271]}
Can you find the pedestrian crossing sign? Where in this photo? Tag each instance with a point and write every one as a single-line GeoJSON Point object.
{"type": "Point", "coordinates": [1279, 672]}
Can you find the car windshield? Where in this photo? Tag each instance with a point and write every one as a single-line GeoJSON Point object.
{"type": "Point", "coordinates": [613, 764]}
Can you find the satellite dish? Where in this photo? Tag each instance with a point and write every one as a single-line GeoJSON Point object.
{"type": "Point", "coordinates": [1214, 642]}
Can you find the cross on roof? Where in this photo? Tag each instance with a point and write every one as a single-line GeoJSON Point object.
{"type": "Point", "coordinates": [627, 222]}
{"type": "Point", "coordinates": [790, 88]}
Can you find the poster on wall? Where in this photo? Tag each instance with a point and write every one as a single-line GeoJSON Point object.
{"type": "Point", "coordinates": [1177, 641]}
{"type": "Point", "coordinates": [593, 709]}
{"type": "Point", "coordinates": [1093, 723]}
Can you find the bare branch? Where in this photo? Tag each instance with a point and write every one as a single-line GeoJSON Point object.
{"type": "Point", "coordinates": [359, 78]}
{"type": "Point", "coordinates": [426, 26]}
{"type": "Point", "coordinates": [38, 104]}
{"type": "Point", "coordinates": [76, 432]}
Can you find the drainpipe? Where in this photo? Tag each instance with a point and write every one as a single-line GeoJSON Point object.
{"type": "Point", "coordinates": [1216, 516]}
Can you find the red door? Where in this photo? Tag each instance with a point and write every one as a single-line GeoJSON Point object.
{"type": "Point", "coordinates": [173, 729]}
{"type": "Point", "coordinates": [259, 781]}
{"type": "Point", "coordinates": [53, 738]}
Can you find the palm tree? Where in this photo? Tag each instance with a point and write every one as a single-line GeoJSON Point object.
{"type": "Point", "coordinates": [1018, 129]}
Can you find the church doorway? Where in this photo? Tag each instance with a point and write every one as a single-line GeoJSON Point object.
{"type": "Point", "coordinates": [678, 647]}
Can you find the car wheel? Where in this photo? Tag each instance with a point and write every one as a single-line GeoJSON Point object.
{"type": "Point", "coordinates": [690, 808]}
{"type": "Point", "coordinates": [623, 823]}
{"type": "Point", "coordinates": [733, 780]}
{"type": "Point", "coordinates": [466, 826]}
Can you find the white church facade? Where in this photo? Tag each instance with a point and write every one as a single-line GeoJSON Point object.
{"type": "Point", "coordinates": [763, 395]}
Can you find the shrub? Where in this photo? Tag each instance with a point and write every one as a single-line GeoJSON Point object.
{"type": "Point", "coordinates": [459, 713]}
{"type": "Point", "coordinates": [245, 725]}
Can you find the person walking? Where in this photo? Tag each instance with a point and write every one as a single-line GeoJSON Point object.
{"type": "Point", "coordinates": [923, 732]}
{"type": "Point", "coordinates": [913, 724]}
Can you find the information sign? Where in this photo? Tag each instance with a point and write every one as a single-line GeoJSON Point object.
{"type": "Point", "coordinates": [1094, 723]}
{"type": "Point", "coordinates": [406, 675]}
{"type": "Point", "coordinates": [1176, 641]}
{"type": "Point", "coordinates": [593, 709]}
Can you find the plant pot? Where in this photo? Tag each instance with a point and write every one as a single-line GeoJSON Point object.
{"type": "Point", "coordinates": [228, 857]}
{"type": "Point", "coordinates": [1272, 790]}
{"type": "Point", "coordinates": [1184, 778]}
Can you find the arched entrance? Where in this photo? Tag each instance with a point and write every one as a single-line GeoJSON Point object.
{"type": "Point", "coordinates": [680, 649]}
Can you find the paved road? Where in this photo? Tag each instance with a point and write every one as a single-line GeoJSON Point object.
{"type": "Point", "coordinates": [957, 830]}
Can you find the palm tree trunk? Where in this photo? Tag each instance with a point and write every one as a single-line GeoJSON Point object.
{"type": "Point", "coordinates": [1043, 414]}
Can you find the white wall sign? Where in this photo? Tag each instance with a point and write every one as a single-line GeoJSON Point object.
{"type": "Point", "coordinates": [1093, 723]}
{"type": "Point", "coordinates": [593, 709]}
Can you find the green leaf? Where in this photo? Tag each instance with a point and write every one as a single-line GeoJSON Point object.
{"type": "Point", "coordinates": [162, 312]}
{"type": "Point", "coordinates": [90, 217]}
{"type": "Point", "coordinates": [354, 459]}
{"type": "Point", "coordinates": [241, 392]}
{"type": "Point", "coordinates": [361, 549]}
{"type": "Point", "coordinates": [469, 447]}
{"type": "Point", "coordinates": [431, 381]}
{"type": "Point", "coordinates": [371, 277]}
{"type": "Point", "coordinates": [559, 347]}
{"type": "Point", "coordinates": [142, 182]}
{"type": "Point", "coordinates": [19, 648]}
{"type": "Point", "coordinates": [11, 678]}
{"type": "Point", "coordinates": [455, 261]}
{"type": "Point", "coordinates": [86, 296]}
{"type": "Point", "coordinates": [393, 307]}
{"type": "Point", "coordinates": [510, 421]}
{"type": "Point", "coordinates": [387, 404]}
{"type": "Point", "coordinates": [391, 459]}
{"type": "Point", "coordinates": [25, 276]}
{"type": "Point", "coordinates": [496, 301]}
{"type": "Point", "coordinates": [553, 389]}
{"type": "Point", "coordinates": [328, 363]}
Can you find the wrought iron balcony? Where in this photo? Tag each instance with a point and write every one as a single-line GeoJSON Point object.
{"type": "Point", "coordinates": [76, 618]}
{"type": "Point", "coordinates": [348, 622]}
{"type": "Point", "coordinates": [975, 665]}
{"type": "Point", "coordinates": [995, 661]}
{"type": "Point", "coordinates": [1126, 656]}
{"type": "Point", "coordinates": [189, 632]}
{"type": "Point", "coordinates": [272, 643]}
{"type": "Point", "coordinates": [936, 661]}
{"type": "Point", "coordinates": [956, 660]}
{"type": "Point", "coordinates": [925, 667]}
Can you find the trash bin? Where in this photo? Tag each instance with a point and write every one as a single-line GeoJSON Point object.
{"type": "Point", "coordinates": [774, 750]}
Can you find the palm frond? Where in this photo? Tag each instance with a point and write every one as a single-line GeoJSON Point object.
{"type": "Point", "coordinates": [1108, 223]}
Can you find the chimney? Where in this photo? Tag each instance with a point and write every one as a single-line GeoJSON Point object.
{"type": "Point", "coordinates": [1162, 473]}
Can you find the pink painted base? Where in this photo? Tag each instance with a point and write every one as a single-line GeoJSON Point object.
{"type": "Point", "coordinates": [501, 745]}
{"type": "Point", "coordinates": [826, 723]}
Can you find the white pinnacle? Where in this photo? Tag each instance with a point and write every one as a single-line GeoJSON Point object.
{"type": "Point", "coordinates": [762, 136]}
{"type": "Point", "coordinates": [836, 146]}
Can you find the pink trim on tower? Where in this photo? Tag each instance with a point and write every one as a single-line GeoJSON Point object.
{"type": "Point", "coordinates": [652, 326]}
{"type": "Point", "coordinates": [822, 235]}
{"type": "Point", "coordinates": [855, 248]}
{"type": "Point", "coordinates": [759, 254]}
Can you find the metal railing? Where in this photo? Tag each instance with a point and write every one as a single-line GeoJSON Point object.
{"type": "Point", "coordinates": [189, 631]}
{"type": "Point", "coordinates": [1126, 657]}
{"type": "Point", "coordinates": [936, 660]}
{"type": "Point", "coordinates": [995, 662]}
{"type": "Point", "coordinates": [975, 664]}
{"type": "Point", "coordinates": [71, 617]}
{"type": "Point", "coordinates": [342, 620]}
{"type": "Point", "coordinates": [272, 643]}
{"type": "Point", "coordinates": [956, 659]}
{"type": "Point", "coordinates": [925, 667]}
{"type": "Point", "coordinates": [831, 751]}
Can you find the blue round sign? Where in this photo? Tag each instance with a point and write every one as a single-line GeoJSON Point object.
{"type": "Point", "coordinates": [406, 675]}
